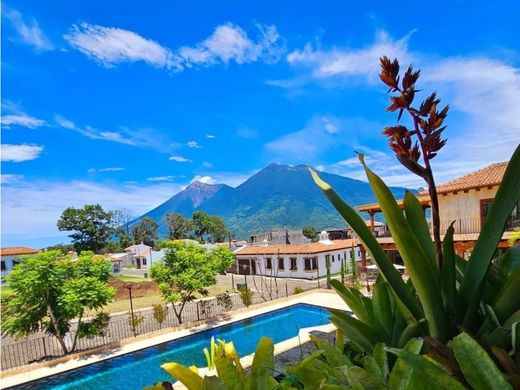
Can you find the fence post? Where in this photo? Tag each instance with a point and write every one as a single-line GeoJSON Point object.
{"type": "Point", "coordinates": [286, 290]}
{"type": "Point", "coordinates": [198, 311]}
{"type": "Point", "coordinates": [44, 348]}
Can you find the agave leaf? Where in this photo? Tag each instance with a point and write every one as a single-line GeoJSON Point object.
{"type": "Point", "coordinates": [384, 264]}
{"type": "Point", "coordinates": [415, 217]}
{"type": "Point", "coordinates": [414, 257]}
{"type": "Point", "coordinates": [476, 365]}
{"type": "Point", "coordinates": [506, 361]}
{"type": "Point", "coordinates": [356, 330]}
{"type": "Point", "coordinates": [229, 373]}
{"type": "Point", "coordinates": [333, 356]}
{"type": "Point", "coordinates": [185, 375]}
{"type": "Point", "coordinates": [213, 383]}
{"type": "Point", "coordinates": [381, 358]}
{"type": "Point", "coordinates": [401, 373]}
{"type": "Point", "coordinates": [412, 330]}
{"type": "Point", "coordinates": [157, 386]}
{"type": "Point", "coordinates": [382, 305]}
{"type": "Point", "coordinates": [507, 301]}
{"type": "Point", "coordinates": [263, 361]}
{"type": "Point", "coordinates": [357, 305]}
{"type": "Point", "coordinates": [448, 276]}
{"type": "Point", "coordinates": [340, 340]}
{"type": "Point", "coordinates": [366, 378]}
{"type": "Point", "coordinates": [515, 317]}
{"type": "Point", "coordinates": [506, 198]}
{"type": "Point", "coordinates": [426, 373]}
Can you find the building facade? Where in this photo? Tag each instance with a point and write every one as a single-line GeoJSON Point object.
{"type": "Point", "coordinates": [11, 256]}
{"type": "Point", "coordinates": [303, 261]}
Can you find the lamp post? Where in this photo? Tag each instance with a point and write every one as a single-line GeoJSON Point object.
{"type": "Point", "coordinates": [129, 287]}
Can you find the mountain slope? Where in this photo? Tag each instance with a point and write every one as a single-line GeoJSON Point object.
{"type": "Point", "coordinates": [278, 195]}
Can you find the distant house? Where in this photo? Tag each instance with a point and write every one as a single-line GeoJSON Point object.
{"type": "Point", "coordinates": [280, 236]}
{"type": "Point", "coordinates": [305, 261]}
{"type": "Point", "coordinates": [11, 256]}
{"type": "Point", "coordinates": [143, 256]}
{"type": "Point", "coordinates": [465, 201]}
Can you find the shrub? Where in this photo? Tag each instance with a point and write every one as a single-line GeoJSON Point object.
{"type": "Point", "coordinates": [159, 313]}
{"type": "Point", "coordinates": [135, 320]}
{"type": "Point", "coordinates": [224, 300]}
{"type": "Point", "coordinates": [246, 295]}
{"type": "Point", "coordinates": [298, 290]}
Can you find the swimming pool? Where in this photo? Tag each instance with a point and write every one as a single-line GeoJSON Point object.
{"type": "Point", "coordinates": [143, 368]}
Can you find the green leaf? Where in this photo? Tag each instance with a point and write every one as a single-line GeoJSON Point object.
{"type": "Point", "coordinates": [424, 280]}
{"type": "Point", "coordinates": [263, 361]}
{"type": "Point", "coordinates": [506, 198]}
{"type": "Point", "coordinates": [448, 275]}
{"type": "Point", "coordinates": [381, 358]}
{"type": "Point", "coordinates": [507, 301]}
{"type": "Point", "coordinates": [229, 373]}
{"type": "Point", "coordinates": [382, 305]}
{"type": "Point", "coordinates": [401, 373]}
{"type": "Point", "coordinates": [391, 275]}
{"type": "Point", "coordinates": [415, 217]}
{"type": "Point", "coordinates": [213, 383]}
{"type": "Point", "coordinates": [476, 365]}
{"type": "Point", "coordinates": [355, 329]}
{"type": "Point", "coordinates": [185, 375]}
{"type": "Point", "coordinates": [426, 372]}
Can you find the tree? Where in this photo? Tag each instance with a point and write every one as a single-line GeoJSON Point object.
{"type": "Point", "coordinates": [188, 269]}
{"type": "Point", "coordinates": [122, 219]}
{"type": "Point", "coordinates": [208, 227]}
{"type": "Point", "coordinates": [145, 231]}
{"type": "Point", "coordinates": [91, 226]}
{"type": "Point", "coordinates": [178, 225]}
{"type": "Point", "coordinates": [311, 233]}
{"type": "Point", "coordinates": [50, 290]}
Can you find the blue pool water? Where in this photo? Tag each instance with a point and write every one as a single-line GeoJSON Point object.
{"type": "Point", "coordinates": [143, 368]}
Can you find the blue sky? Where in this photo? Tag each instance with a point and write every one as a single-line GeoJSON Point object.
{"type": "Point", "coordinates": [126, 104]}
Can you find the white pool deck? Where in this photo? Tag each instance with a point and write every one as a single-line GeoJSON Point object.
{"type": "Point", "coordinates": [324, 298]}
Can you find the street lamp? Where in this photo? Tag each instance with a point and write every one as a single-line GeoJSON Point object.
{"type": "Point", "coordinates": [129, 287]}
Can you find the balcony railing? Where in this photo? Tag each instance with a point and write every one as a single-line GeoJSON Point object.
{"type": "Point", "coordinates": [461, 226]}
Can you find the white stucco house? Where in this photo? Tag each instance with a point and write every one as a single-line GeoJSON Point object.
{"type": "Point", "coordinates": [11, 256]}
{"type": "Point", "coordinates": [304, 261]}
{"type": "Point", "coordinates": [142, 256]}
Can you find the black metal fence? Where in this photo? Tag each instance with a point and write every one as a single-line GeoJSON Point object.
{"type": "Point", "coordinates": [39, 347]}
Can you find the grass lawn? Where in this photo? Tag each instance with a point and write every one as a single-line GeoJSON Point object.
{"type": "Point", "coordinates": [125, 278]}
{"type": "Point", "coordinates": [149, 300]}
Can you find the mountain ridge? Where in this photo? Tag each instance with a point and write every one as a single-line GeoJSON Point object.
{"type": "Point", "coordinates": [276, 196]}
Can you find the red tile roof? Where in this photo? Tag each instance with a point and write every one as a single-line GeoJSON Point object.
{"type": "Point", "coordinates": [489, 176]}
{"type": "Point", "coordinates": [17, 250]}
{"type": "Point", "coordinates": [310, 248]}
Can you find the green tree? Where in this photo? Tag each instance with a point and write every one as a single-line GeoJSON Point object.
{"type": "Point", "coordinates": [122, 219]}
{"type": "Point", "coordinates": [91, 226]}
{"type": "Point", "coordinates": [178, 225]}
{"type": "Point", "coordinates": [145, 231]}
{"type": "Point", "coordinates": [50, 290]}
{"type": "Point", "coordinates": [188, 269]}
{"type": "Point", "coordinates": [208, 227]}
{"type": "Point", "coordinates": [311, 233]}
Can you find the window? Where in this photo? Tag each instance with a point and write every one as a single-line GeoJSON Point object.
{"type": "Point", "coordinates": [333, 258]}
{"type": "Point", "coordinates": [281, 264]}
{"type": "Point", "coordinates": [485, 205]}
{"type": "Point", "coordinates": [294, 265]}
{"type": "Point", "coordinates": [311, 264]}
{"type": "Point", "coordinates": [3, 266]}
{"type": "Point", "coordinates": [358, 253]}
{"type": "Point", "coordinates": [144, 260]}
{"type": "Point", "coordinates": [344, 255]}
{"type": "Point", "coordinates": [268, 263]}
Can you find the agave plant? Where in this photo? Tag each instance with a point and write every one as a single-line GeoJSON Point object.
{"type": "Point", "coordinates": [445, 293]}
{"type": "Point", "coordinates": [230, 373]}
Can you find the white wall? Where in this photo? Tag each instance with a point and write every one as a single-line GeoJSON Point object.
{"type": "Point", "coordinates": [335, 264]}
{"type": "Point", "coordinates": [8, 261]}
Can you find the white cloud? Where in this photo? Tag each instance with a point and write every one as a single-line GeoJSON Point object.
{"type": "Point", "coordinates": [207, 164]}
{"type": "Point", "coordinates": [161, 178]}
{"type": "Point", "coordinates": [204, 179]}
{"type": "Point", "coordinates": [108, 169]}
{"type": "Point", "coordinates": [142, 137]}
{"type": "Point", "coordinates": [179, 159]}
{"type": "Point", "coordinates": [110, 46]}
{"type": "Point", "coordinates": [30, 209]}
{"type": "Point", "coordinates": [229, 43]}
{"type": "Point", "coordinates": [194, 145]}
{"type": "Point", "coordinates": [28, 31]}
{"type": "Point", "coordinates": [22, 120]}
{"type": "Point", "coordinates": [307, 143]}
{"type": "Point", "coordinates": [210, 136]}
{"type": "Point", "coordinates": [7, 178]}
{"type": "Point", "coordinates": [19, 153]}
{"type": "Point", "coordinates": [350, 61]}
